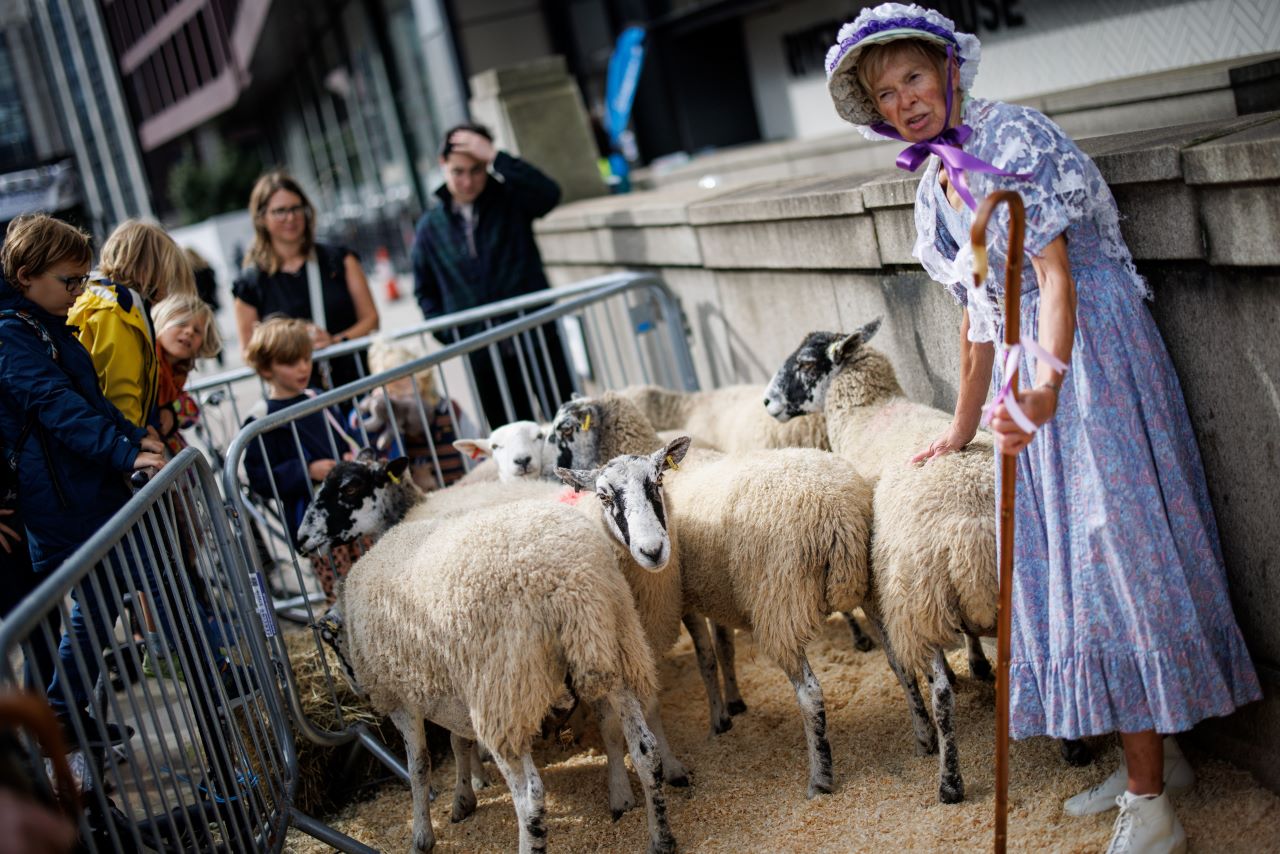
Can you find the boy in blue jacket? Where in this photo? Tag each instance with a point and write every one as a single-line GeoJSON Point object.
{"type": "Point", "coordinates": [278, 465]}
{"type": "Point", "coordinates": [66, 449]}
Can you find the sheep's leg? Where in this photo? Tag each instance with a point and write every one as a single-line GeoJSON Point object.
{"type": "Point", "coordinates": [697, 628]}
{"type": "Point", "coordinates": [951, 674]}
{"type": "Point", "coordinates": [479, 779]}
{"type": "Point", "coordinates": [529, 798]}
{"type": "Point", "coordinates": [724, 654]}
{"type": "Point", "coordinates": [415, 745]}
{"type": "Point", "coordinates": [979, 666]}
{"type": "Point", "coordinates": [464, 796]}
{"type": "Point", "coordinates": [621, 798]}
{"type": "Point", "coordinates": [861, 641]}
{"type": "Point", "coordinates": [950, 783]}
{"type": "Point", "coordinates": [642, 744]}
{"type": "Point", "coordinates": [672, 769]}
{"type": "Point", "coordinates": [926, 735]}
{"type": "Point", "coordinates": [814, 715]}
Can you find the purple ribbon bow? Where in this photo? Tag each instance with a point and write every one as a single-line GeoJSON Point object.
{"type": "Point", "coordinates": [947, 145]}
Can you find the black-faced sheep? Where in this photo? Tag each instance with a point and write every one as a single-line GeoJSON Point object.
{"type": "Point", "coordinates": [933, 553]}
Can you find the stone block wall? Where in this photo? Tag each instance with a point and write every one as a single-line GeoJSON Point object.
{"type": "Point", "coordinates": [757, 266]}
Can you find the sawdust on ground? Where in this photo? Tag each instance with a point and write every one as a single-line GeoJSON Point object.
{"type": "Point", "coordinates": [748, 789]}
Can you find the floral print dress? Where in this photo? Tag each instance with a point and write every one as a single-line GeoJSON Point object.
{"type": "Point", "coordinates": [1121, 618]}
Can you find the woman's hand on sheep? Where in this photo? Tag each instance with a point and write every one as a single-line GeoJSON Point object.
{"type": "Point", "coordinates": [1038, 404]}
{"type": "Point", "coordinates": [952, 440]}
{"type": "Point", "coordinates": [8, 535]}
{"type": "Point", "coordinates": [318, 470]}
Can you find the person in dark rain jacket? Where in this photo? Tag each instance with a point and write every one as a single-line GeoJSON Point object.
{"type": "Point", "coordinates": [477, 247]}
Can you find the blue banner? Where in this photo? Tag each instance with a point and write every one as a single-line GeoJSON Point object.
{"type": "Point", "coordinates": [619, 95]}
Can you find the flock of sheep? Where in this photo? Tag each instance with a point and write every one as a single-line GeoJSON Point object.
{"type": "Point", "coordinates": [488, 606]}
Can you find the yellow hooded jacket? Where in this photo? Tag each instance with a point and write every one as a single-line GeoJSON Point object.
{"type": "Point", "coordinates": [117, 333]}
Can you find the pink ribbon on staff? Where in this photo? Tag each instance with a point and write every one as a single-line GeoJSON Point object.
{"type": "Point", "coordinates": [1006, 394]}
{"type": "Point", "coordinates": [947, 146]}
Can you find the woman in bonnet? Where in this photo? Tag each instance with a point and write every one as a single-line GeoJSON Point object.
{"type": "Point", "coordinates": [1121, 620]}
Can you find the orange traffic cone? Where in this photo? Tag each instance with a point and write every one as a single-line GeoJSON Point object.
{"type": "Point", "coordinates": [383, 270]}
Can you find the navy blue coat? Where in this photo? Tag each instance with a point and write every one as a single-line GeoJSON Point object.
{"type": "Point", "coordinates": [77, 447]}
{"type": "Point", "coordinates": [507, 262]}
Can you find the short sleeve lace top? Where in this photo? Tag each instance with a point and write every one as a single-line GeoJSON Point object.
{"type": "Point", "coordinates": [1065, 193]}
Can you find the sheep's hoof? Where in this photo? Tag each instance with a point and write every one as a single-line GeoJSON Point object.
{"type": "Point", "coordinates": [680, 781]}
{"type": "Point", "coordinates": [864, 644]}
{"type": "Point", "coordinates": [821, 787]}
{"type": "Point", "coordinates": [980, 669]}
{"type": "Point", "coordinates": [666, 845]}
{"type": "Point", "coordinates": [951, 791]}
{"type": "Point", "coordinates": [723, 725]}
{"type": "Point", "coordinates": [423, 842]}
{"type": "Point", "coordinates": [617, 814]}
{"type": "Point", "coordinates": [462, 808]}
{"type": "Point", "coordinates": [927, 746]}
{"type": "Point", "coordinates": [1076, 752]}
{"type": "Point", "coordinates": [737, 707]}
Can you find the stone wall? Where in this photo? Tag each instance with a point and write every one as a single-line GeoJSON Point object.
{"type": "Point", "coordinates": [758, 266]}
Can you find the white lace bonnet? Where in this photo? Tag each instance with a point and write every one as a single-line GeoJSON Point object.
{"type": "Point", "coordinates": [885, 23]}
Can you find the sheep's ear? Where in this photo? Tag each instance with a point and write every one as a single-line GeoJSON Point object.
{"type": "Point", "coordinates": [368, 456]}
{"type": "Point", "coordinates": [579, 479]}
{"type": "Point", "coordinates": [474, 448]}
{"type": "Point", "coordinates": [397, 467]}
{"type": "Point", "coordinates": [670, 456]}
{"type": "Point", "coordinates": [843, 349]}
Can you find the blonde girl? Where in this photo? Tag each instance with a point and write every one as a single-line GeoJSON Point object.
{"type": "Point", "coordinates": [140, 265]}
{"type": "Point", "coordinates": [185, 331]}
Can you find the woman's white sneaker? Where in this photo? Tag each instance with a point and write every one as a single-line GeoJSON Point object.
{"type": "Point", "coordinates": [1178, 778]}
{"type": "Point", "coordinates": [1147, 824]}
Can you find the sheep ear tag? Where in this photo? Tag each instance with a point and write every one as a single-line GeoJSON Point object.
{"type": "Point", "coordinates": [672, 464]}
{"type": "Point", "coordinates": [833, 350]}
{"type": "Point", "coordinates": [476, 453]}
{"type": "Point", "coordinates": [586, 423]}
{"type": "Point", "coordinates": [393, 477]}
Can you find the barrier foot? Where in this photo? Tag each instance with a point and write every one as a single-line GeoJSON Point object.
{"type": "Point", "coordinates": [327, 834]}
{"type": "Point", "coordinates": [383, 755]}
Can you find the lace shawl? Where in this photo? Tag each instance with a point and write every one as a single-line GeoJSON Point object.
{"type": "Point", "coordinates": [1065, 192]}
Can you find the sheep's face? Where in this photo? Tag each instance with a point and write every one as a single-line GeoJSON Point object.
{"type": "Point", "coordinates": [358, 497]}
{"type": "Point", "coordinates": [577, 434]}
{"type": "Point", "coordinates": [800, 385]}
{"type": "Point", "coordinates": [629, 488]}
{"type": "Point", "coordinates": [521, 449]}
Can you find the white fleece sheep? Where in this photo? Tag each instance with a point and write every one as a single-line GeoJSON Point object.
{"type": "Point", "coordinates": [768, 541]}
{"type": "Point", "coordinates": [729, 419]}
{"type": "Point", "coordinates": [519, 449]}
{"type": "Point", "coordinates": [423, 639]}
{"type": "Point", "coordinates": [933, 554]}
{"type": "Point", "coordinates": [360, 499]}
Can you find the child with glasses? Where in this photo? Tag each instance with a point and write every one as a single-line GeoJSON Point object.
{"type": "Point", "coordinates": [66, 449]}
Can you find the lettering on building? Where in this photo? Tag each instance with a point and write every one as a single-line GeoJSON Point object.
{"type": "Point", "coordinates": [806, 49]}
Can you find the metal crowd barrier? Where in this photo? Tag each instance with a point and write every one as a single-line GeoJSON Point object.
{"type": "Point", "coordinates": [210, 764]}
{"type": "Point", "coordinates": [624, 328]}
{"type": "Point", "coordinates": [605, 358]}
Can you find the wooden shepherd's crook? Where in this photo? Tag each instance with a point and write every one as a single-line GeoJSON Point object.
{"type": "Point", "coordinates": [1008, 477]}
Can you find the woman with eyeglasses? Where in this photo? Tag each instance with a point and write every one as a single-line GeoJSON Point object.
{"type": "Point", "coordinates": [287, 272]}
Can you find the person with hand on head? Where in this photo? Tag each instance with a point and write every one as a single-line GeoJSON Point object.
{"type": "Point", "coordinates": [67, 449]}
{"type": "Point", "coordinates": [1121, 617]}
{"type": "Point", "coordinates": [476, 247]}
{"type": "Point", "coordinates": [286, 272]}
